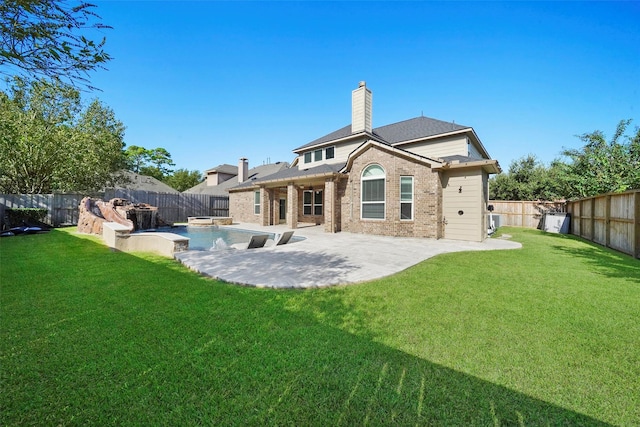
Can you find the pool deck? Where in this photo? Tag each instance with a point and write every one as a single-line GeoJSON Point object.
{"type": "Point", "coordinates": [324, 259]}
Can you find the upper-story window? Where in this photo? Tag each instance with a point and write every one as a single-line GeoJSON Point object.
{"type": "Point", "coordinates": [317, 155]}
{"type": "Point", "coordinates": [329, 152]}
{"type": "Point", "coordinates": [373, 197]}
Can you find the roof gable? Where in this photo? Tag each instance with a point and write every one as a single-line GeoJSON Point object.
{"type": "Point", "coordinates": [392, 150]}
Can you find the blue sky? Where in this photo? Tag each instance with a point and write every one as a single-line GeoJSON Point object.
{"type": "Point", "coordinates": [215, 81]}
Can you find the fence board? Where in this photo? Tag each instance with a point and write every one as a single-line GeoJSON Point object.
{"type": "Point", "coordinates": [612, 220]}
{"type": "Point", "coordinates": [527, 214]}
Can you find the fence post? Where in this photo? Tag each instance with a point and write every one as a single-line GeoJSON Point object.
{"type": "Point", "coordinates": [607, 221]}
{"type": "Point", "coordinates": [593, 219]}
{"type": "Point", "coordinates": [636, 225]}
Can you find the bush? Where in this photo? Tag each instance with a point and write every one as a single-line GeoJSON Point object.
{"type": "Point", "coordinates": [30, 216]}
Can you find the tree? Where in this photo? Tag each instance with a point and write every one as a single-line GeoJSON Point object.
{"type": "Point", "coordinates": [48, 142]}
{"type": "Point", "coordinates": [151, 162]}
{"type": "Point", "coordinates": [136, 157]}
{"type": "Point", "coordinates": [159, 163]}
{"type": "Point", "coordinates": [604, 167]}
{"type": "Point", "coordinates": [42, 38]}
{"type": "Point", "coordinates": [528, 179]}
{"type": "Point", "coordinates": [182, 179]}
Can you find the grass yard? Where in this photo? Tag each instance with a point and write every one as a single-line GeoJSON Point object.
{"type": "Point", "coordinates": [545, 335]}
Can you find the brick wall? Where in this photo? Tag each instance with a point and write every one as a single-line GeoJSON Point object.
{"type": "Point", "coordinates": [241, 207]}
{"type": "Point", "coordinates": [427, 201]}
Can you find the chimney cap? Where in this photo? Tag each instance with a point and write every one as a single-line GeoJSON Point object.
{"type": "Point", "coordinates": [362, 83]}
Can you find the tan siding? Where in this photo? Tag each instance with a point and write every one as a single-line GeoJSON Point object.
{"type": "Point", "coordinates": [434, 149]}
{"type": "Point", "coordinates": [474, 151]}
{"type": "Point", "coordinates": [469, 225]}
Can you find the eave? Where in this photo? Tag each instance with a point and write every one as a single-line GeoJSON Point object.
{"type": "Point", "coordinates": [488, 165]}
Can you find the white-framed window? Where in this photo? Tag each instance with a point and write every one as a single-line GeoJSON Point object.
{"type": "Point", "coordinates": [256, 202]}
{"type": "Point", "coordinates": [317, 202]}
{"type": "Point", "coordinates": [373, 195]}
{"type": "Point", "coordinates": [307, 157]}
{"type": "Point", "coordinates": [406, 197]}
{"type": "Point", "coordinates": [312, 202]}
{"type": "Point", "coordinates": [329, 153]}
{"type": "Point", "coordinates": [317, 155]}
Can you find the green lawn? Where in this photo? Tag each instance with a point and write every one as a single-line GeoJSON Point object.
{"type": "Point", "coordinates": [545, 335]}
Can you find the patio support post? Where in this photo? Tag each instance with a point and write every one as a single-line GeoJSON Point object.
{"type": "Point", "coordinates": [275, 204]}
{"type": "Point", "coordinates": [265, 211]}
{"type": "Point", "coordinates": [330, 206]}
{"type": "Point", "coordinates": [292, 206]}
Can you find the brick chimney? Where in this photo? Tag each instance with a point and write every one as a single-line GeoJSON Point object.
{"type": "Point", "coordinates": [361, 109]}
{"type": "Point", "coordinates": [243, 170]}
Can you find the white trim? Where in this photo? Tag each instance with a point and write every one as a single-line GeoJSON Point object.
{"type": "Point", "coordinates": [384, 193]}
{"type": "Point", "coordinates": [413, 191]}
{"type": "Point", "coordinates": [257, 205]}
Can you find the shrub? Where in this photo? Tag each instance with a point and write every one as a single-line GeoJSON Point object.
{"type": "Point", "coordinates": [21, 216]}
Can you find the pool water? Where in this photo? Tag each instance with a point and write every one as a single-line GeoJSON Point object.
{"type": "Point", "coordinates": [214, 237]}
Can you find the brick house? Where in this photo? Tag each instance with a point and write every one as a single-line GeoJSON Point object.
{"type": "Point", "coordinates": [416, 178]}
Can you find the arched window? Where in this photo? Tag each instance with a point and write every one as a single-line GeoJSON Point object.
{"type": "Point", "coordinates": [373, 197]}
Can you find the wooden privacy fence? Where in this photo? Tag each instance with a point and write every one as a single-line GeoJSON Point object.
{"type": "Point", "coordinates": [611, 220]}
{"type": "Point", "coordinates": [63, 208]}
{"type": "Point", "coordinates": [524, 213]}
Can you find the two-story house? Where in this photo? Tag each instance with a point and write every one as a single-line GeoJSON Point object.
{"type": "Point", "coordinates": [416, 178]}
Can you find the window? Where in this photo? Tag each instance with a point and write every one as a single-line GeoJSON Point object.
{"type": "Point", "coordinates": [317, 155]}
{"type": "Point", "coordinates": [307, 199]}
{"type": "Point", "coordinates": [307, 157]}
{"type": "Point", "coordinates": [312, 202]}
{"type": "Point", "coordinates": [373, 197]}
{"type": "Point", "coordinates": [256, 202]}
{"type": "Point", "coordinates": [329, 153]}
{"type": "Point", "coordinates": [317, 203]}
{"type": "Point", "coordinates": [406, 197]}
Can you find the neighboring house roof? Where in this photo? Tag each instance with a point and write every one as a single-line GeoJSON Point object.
{"type": "Point", "coordinates": [407, 130]}
{"type": "Point", "coordinates": [224, 168]}
{"type": "Point", "coordinates": [143, 182]}
{"type": "Point", "coordinates": [222, 189]}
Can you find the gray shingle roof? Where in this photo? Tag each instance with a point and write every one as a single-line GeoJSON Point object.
{"type": "Point", "coordinates": [136, 181]}
{"type": "Point", "coordinates": [295, 172]}
{"type": "Point", "coordinates": [418, 127]}
{"type": "Point", "coordinates": [222, 189]}
{"type": "Point", "coordinates": [224, 168]}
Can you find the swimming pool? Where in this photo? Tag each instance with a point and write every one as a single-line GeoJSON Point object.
{"type": "Point", "coordinates": [207, 238]}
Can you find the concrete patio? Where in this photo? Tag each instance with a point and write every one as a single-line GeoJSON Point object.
{"type": "Point", "coordinates": [324, 259]}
